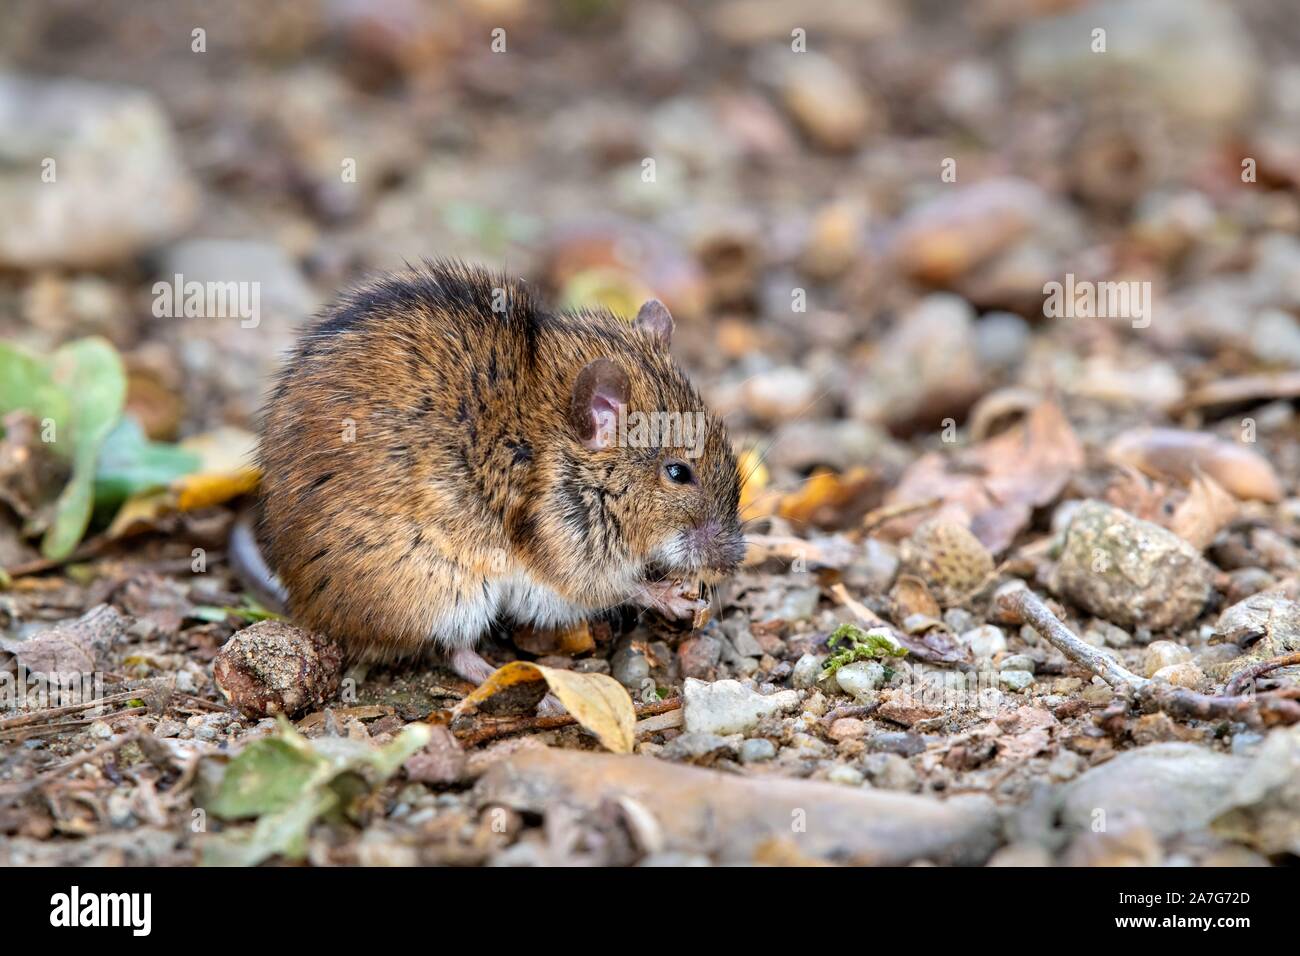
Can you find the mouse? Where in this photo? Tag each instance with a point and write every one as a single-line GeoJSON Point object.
{"type": "Point", "coordinates": [441, 453]}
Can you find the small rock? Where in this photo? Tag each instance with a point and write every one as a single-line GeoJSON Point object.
{"type": "Point", "coordinates": [847, 728]}
{"type": "Point", "coordinates": [120, 186]}
{"type": "Point", "coordinates": [1192, 59]}
{"type": "Point", "coordinates": [697, 747]}
{"type": "Point", "coordinates": [824, 99]}
{"type": "Point", "coordinates": [985, 642]}
{"type": "Point", "coordinates": [905, 745]}
{"type": "Point", "coordinates": [1016, 680]}
{"type": "Point", "coordinates": [1172, 787]}
{"type": "Point", "coordinates": [861, 679]}
{"type": "Point", "coordinates": [757, 750]}
{"type": "Point", "coordinates": [100, 729]}
{"type": "Point", "coordinates": [1162, 654]}
{"type": "Point", "coordinates": [1181, 675]}
{"type": "Point", "coordinates": [889, 771]}
{"type": "Point", "coordinates": [698, 656]}
{"type": "Point", "coordinates": [1018, 662]}
{"type": "Point", "coordinates": [168, 728]}
{"type": "Point", "coordinates": [629, 665]}
{"type": "Point", "coordinates": [1001, 340]}
{"type": "Point", "coordinates": [1131, 572]}
{"type": "Point", "coordinates": [846, 775]}
{"type": "Point", "coordinates": [728, 707]}
{"type": "Point", "coordinates": [1269, 624]}
{"type": "Point", "coordinates": [780, 393]}
{"type": "Point", "coordinates": [440, 762]}
{"type": "Point", "coordinates": [798, 604]}
{"type": "Point", "coordinates": [807, 670]}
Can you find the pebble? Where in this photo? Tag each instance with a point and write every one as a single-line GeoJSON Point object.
{"type": "Point", "coordinates": [1001, 340]}
{"type": "Point", "coordinates": [780, 393]}
{"type": "Point", "coordinates": [101, 208]}
{"type": "Point", "coordinates": [729, 707]}
{"type": "Point", "coordinates": [824, 99]}
{"type": "Point", "coordinates": [985, 641]}
{"type": "Point", "coordinates": [1018, 662]}
{"type": "Point", "coordinates": [100, 729]}
{"type": "Point", "coordinates": [1162, 654]}
{"type": "Point", "coordinates": [847, 728]}
{"type": "Point", "coordinates": [698, 656]}
{"type": "Point", "coordinates": [861, 679]}
{"type": "Point", "coordinates": [1131, 572]}
{"type": "Point", "coordinates": [629, 665]}
{"type": "Point", "coordinates": [798, 604]}
{"type": "Point", "coordinates": [1172, 787]}
{"type": "Point", "coordinates": [807, 669]}
{"type": "Point", "coordinates": [1181, 675]}
{"type": "Point", "coordinates": [168, 728]}
{"type": "Point", "coordinates": [895, 742]}
{"type": "Point", "coordinates": [697, 746]}
{"type": "Point", "coordinates": [889, 771]}
{"type": "Point", "coordinates": [1192, 60]}
{"type": "Point", "coordinates": [844, 774]}
{"type": "Point", "coordinates": [1016, 680]}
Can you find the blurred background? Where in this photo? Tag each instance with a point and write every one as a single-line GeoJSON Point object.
{"type": "Point", "coordinates": [852, 209]}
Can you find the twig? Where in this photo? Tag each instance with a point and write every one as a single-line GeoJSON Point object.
{"type": "Point", "coordinates": [44, 776]}
{"type": "Point", "coordinates": [473, 736]}
{"type": "Point", "coordinates": [1016, 603]}
{"type": "Point", "coordinates": [1249, 674]}
{"type": "Point", "coordinates": [37, 716]}
{"type": "Point", "coordinates": [25, 733]}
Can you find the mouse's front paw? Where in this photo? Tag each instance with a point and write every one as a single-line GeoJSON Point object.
{"type": "Point", "coordinates": [670, 598]}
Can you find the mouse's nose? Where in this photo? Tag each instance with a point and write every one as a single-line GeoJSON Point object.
{"type": "Point", "coordinates": [716, 547]}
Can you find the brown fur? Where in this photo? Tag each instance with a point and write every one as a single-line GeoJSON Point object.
{"type": "Point", "coordinates": [465, 464]}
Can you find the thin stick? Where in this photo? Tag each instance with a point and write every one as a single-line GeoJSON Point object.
{"type": "Point", "coordinates": [37, 716]}
{"type": "Point", "coordinates": [1240, 680]}
{"type": "Point", "coordinates": [515, 725]}
{"type": "Point", "coordinates": [1016, 603]}
{"type": "Point", "coordinates": [44, 776]}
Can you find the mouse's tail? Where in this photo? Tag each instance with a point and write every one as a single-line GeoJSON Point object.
{"type": "Point", "coordinates": [249, 563]}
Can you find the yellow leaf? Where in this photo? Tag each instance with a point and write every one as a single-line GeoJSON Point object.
{"type": "Point", "coordinates": [824, 494]}
{"type": "Point", "coordinates": [205, 490]}
{"type": "Point", "coordinates": [596, 701]}
{"type": "Point", "coordinates": [753, 479]}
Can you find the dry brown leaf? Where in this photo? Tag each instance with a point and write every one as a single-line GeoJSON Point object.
{"type": "Point", "coordinates": [834, 552]}
{"type": "Point", "coordinates": [1204, 513]}
{"type": "Point", "coordinates": [568, 641]}
{"type": "Point", "coordinates": [1178, 454]}
{"type": "Point", "coordinates": [911, 596]}
{"type": "Point", "coordinates": [596, 701]}
{"type": "Point", "coordinates": [826, 497]}
{"type": "Point", "coordinates": [993, 487]}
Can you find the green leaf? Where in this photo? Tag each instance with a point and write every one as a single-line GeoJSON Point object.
{"type": "Point", "coordinates": [90, 374]}
{"type": "Point", "coordinates": [25, 382]}
{"type": "Point", "coordinates": [267, 776]}
{"type": "Point", "coordinates": [131, 464]}
{"type": "Point", "coordinates": [288, 782]}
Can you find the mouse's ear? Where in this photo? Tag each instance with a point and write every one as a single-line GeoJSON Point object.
{"type": "Point", "coordinates": [655, 318]}
{"type": "Point", "coordinates": [599, 394]}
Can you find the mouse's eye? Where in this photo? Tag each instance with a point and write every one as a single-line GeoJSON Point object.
{"type": "Point", "coordinates": [679, 473]}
